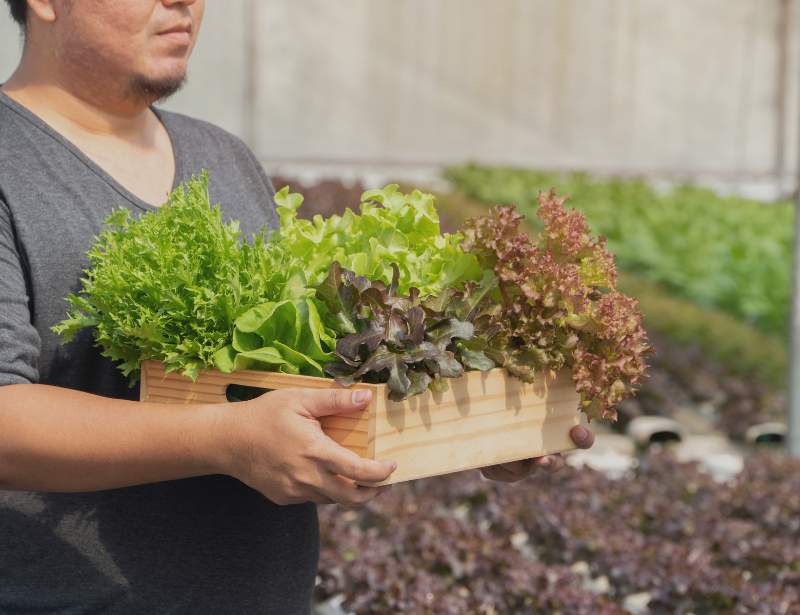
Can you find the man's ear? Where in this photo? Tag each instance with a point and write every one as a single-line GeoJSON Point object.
{"type": "Point", "coordinates": [43, 10]}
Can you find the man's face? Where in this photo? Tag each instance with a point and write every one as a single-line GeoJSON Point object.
{"type": "Point", "coordinates": [142, 44]}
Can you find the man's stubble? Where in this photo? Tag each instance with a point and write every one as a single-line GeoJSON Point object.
{"type": "Point", "coordinates": [155, 90]}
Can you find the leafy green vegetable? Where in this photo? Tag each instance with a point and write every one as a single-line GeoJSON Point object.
{"type": "Point", "coordinates": [392, 229]}
{"type": "Point", "coordinates": [391, 338]}
{"type": "Point", "coordinates": [727, 252]}
{"type": "Point", "coordinates": [170, 285]}
{"type": "Point", "coordinates": [408, 306]}
{"type": "Point", "coordinates": [477, 304]}
{"type": "Point", "coordinates": [286, 336]}
{"type": "Point", "coordinates": [180, 286]}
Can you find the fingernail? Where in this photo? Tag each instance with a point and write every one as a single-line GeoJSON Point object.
{"type": "Point", "coordinates": [393, 465]}
{"type": "Point", "coordinates": [580, 434]}
{"type": "Point", "coordinates": [361, 396]}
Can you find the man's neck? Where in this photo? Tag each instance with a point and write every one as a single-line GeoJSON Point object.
{"type": "Point", "coordinates": [101, 117]}
{"type": "Point", "coordinates": [61, 99]}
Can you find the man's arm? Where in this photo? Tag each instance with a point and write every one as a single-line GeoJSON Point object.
{"type": "Point", "coordinates": [55, 439]}
{"type": "Point", "coordinates": [58, 439]}
{"type": "Point", "coordinates": [63, 440]}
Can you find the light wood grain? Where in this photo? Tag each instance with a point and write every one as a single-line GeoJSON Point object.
{"type": "Point", "coordinates": [482, 419]}
{"type": "Point", "coordinates": [351, 431]}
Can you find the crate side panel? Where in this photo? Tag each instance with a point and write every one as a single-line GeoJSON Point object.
{"type": "Point", "coordinates": [483, 419]}
{"type": "Point", "coordinates": [177, 389]}
{"type": "Point", "coordinates": [350, 430]}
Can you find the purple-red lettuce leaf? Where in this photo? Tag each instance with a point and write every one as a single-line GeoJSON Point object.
{"type": "Point", "coordinates": [395, 339]}
{"type": "Point", "coordinates": [556, 306]}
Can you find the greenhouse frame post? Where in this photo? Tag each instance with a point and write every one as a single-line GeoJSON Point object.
{"type": "Point", "coordinates": [793, 418]}
{"type": "Point", "coordinates": [794, 348]}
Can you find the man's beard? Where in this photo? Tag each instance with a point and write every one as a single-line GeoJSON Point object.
{"type": "Point", "coordinates": [154, 90]}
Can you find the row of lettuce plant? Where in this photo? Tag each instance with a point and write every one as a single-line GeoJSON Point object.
{"type": "Point", "coordinates": [726, 252]}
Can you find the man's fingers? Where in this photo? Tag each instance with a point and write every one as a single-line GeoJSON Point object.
{"type": "Point", "coordinates": [346, 463]}
{"type": "Point", "coordinates": [321, 499]}
{"type": "Point", "coordinates": [509, 472]}
{"type": "Point", "coordinates": [519, 468]}
{"type": "Point", "coordinates": [346, 492]}
{"type": "Point", "coordinates": [307, 495]}
{"type": "Point", "coordinates": [552, 463]}
{"type": "Point", "coordinates": [324, 402]}
{"type": "Point", "coordinates": [366, 494]}
{"type": "Point", "coordinates": [499, 473]}
{"type": "Point", "coordinates": [582, 436]}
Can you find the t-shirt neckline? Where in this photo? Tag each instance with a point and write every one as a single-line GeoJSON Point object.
{"type": "Point", "coordinates": [42, 125]}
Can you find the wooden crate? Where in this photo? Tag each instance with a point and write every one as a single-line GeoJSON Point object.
{"type": "Point", "coordinates": [484, 418]}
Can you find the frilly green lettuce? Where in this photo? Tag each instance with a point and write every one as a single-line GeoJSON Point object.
{"type": "Point", "coordinates": [392, 228]}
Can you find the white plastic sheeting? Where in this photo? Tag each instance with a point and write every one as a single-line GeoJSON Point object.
{"type": "Point", "coordinates": [676, 88]}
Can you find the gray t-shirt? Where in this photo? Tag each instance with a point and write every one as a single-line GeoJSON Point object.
{"type": "Point", "coordinates": [200, 545]}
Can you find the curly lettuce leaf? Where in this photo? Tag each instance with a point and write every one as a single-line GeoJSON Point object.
{"type": "Point", "coordinates": [170, 284]}
{"type": "Point", "coordinates": [557, 306]}
{"type": "Point", "coordinates": [391, 229]}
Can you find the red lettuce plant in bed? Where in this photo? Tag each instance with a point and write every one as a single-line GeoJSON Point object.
{"type": "Point", "coordinates": [573, 541]}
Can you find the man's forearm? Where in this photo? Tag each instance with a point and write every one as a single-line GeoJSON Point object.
{"type": "Point", "coordinates": [55, 439]}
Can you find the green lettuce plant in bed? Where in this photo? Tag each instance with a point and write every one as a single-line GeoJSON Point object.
{"type": "Point", "coordinates": [379, 294]}
{"type": "Point", "coordinates": [728, 252]}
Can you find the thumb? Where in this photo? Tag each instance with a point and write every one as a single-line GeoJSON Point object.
{"type": "Point", "coordinates": [324, 402]}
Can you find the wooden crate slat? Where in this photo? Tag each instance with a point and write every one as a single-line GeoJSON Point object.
{"type": "Point", "coordinates": [413, 467]}
{"type": "Point", "coordinates": [478, 427]}
{"type": "Point", "coordinates": [188, 397]}
{"type": "Point", "coordinates": [483, 418]}
{"type": "Point", "coordinates": [171, 384]}
{"type": "Point", "coordinates": [274, 380]}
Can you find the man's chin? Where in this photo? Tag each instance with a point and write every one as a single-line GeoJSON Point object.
{"type": "Point", "coordinates": [153, 90]}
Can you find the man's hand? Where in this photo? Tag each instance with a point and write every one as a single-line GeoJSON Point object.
{"type": "Point", "coordinates": [517, 470]}
{"type": "Point", "coordinates": [275, 444]}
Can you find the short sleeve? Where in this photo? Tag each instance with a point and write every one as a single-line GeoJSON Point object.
{"type": "Point", "coordinates": [19, 341]}
{"type": "Point", "coordinates": [269, 189]}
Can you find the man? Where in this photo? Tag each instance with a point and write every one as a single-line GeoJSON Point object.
{"type": "Point", "coordinates": [107, 505]}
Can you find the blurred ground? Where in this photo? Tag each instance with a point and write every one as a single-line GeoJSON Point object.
{"type": "Point", "coordinates": [710, 524]}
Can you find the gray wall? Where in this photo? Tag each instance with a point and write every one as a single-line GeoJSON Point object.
{"type": "Point", "coordinates": [698, 88]}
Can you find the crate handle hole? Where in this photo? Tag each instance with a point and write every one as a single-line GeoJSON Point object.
{"type": "Point", "coordinates": [240, 392]}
